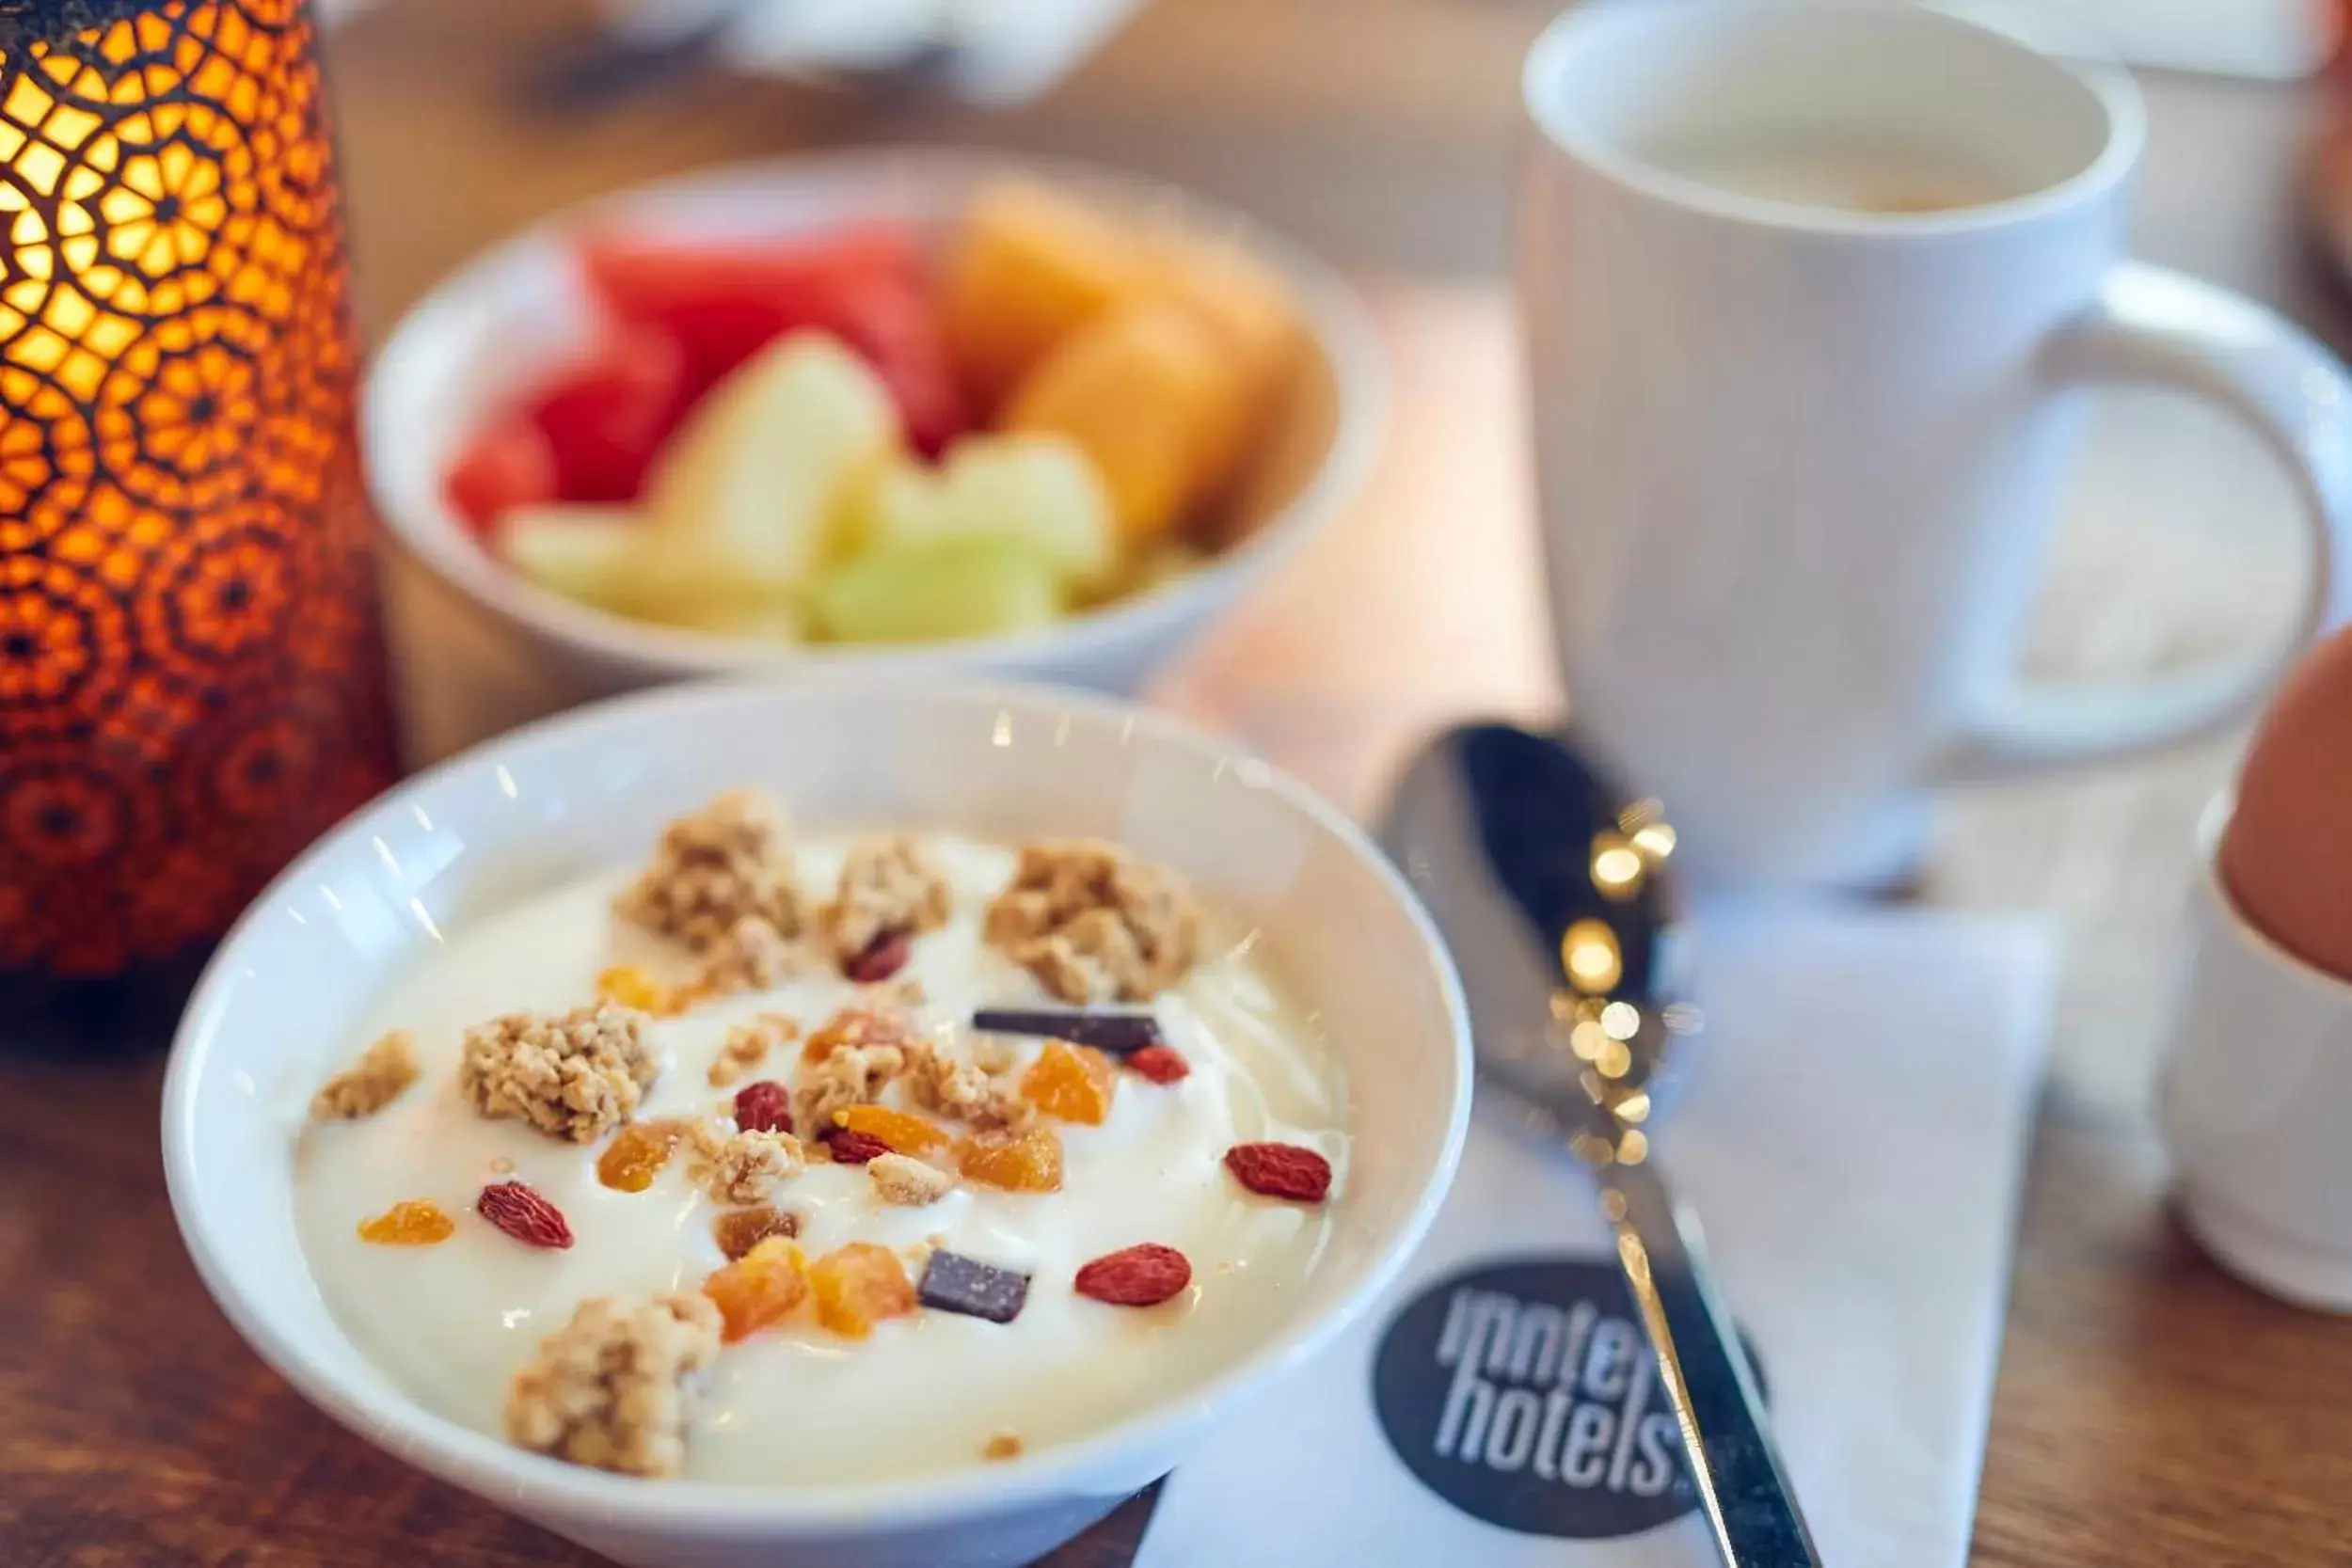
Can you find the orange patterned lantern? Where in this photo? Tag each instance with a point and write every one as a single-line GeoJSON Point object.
{"type": "Point", "coordinates": [190, 667]}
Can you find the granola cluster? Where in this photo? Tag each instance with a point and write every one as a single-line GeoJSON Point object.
{"type": "Point", "coordinates": [747, 1045]}
{"type": "Point", "coordinates": [850, 1074]}
{"type": "Point", "coordinates": [1093, 923]}
{"type": "Point", "coordinates": [752, 956]}
{"type": "Point", "coordinates": [977, 1085]}
{"type": "Point", "coordinates": [612, 1388]}
{"type": "Point", "coordinates": [904, 1180]}
{"type": "Point", "coordinates": [575, 1075]}
{"type": "Point", "coordinates": [711, 869]}
{"type": "Point", "coordinates": [375, 1081]}
{"type": "Point", "coordinates": [745, 1167]}
{"type": "Point", "coordinates": [887, 888]}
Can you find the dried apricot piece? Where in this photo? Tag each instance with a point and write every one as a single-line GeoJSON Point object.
{"type": "Point", "coordinates": [628, 986]}
{"type": "Point", "coordinates": [1026, 1161]}
{"type": "Point", "coordinates": [758, 1288]}
{"type": "Point", "coordinates": [900, 1131]}
{"type": "Point", "coordinates": [637, 1153]}
{"type": "Point", "coordinates": [1072, 1082]}
{"type": "Point", "coordinates": [411, 1222]}
{"type": "Point", "coordinates": [738, 1231]}
{"type": "Point", "coordinates": [857, 1285]}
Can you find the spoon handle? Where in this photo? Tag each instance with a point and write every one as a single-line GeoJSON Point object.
{"type": "Point", "coordinates": [1728, 1445]}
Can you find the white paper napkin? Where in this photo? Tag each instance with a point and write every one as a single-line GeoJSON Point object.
{"type": "Point", "coordinates": [1853, 1136]}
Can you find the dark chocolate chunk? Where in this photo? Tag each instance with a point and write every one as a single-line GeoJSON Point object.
{"type": "Point", "coordinates": [1117, 1032]}
{"type": "Point", "coordinates": [954, 1283]}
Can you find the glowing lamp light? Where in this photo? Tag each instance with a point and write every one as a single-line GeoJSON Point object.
{"type": "Point", "coordinates": [191, 676]}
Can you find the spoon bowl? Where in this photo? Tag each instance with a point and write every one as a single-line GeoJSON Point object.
{"type": "Point", "coordinates": [1552, 888]}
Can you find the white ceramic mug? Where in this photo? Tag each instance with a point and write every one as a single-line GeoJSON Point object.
{"type": "Point", "coordinates": [2257, 1093]}
{"type": "Point", "coordinates": [1796, 461]}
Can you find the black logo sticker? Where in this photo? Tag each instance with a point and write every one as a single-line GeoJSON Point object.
{"type": "Point", "coordinates": [1525, 1395]}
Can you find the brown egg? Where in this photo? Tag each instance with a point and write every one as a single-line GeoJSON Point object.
{"type": "Point", "coordinates": [2286, 856]}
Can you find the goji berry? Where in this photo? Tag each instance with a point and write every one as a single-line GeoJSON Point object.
{"type": "Point", "coordinates": [523, 1214]}
{"type": "Point", "coordinates": [1280, 1170]}
{"type": "Point", "coordinates": [764, 1106]}
{"type": "Point", "coordinates": [1144, 1275]}
{"type": "Point", "coordinates": [854, 1148]}
{"type": "Point", "coordinates": [1162, 1063]}
{"type": "Point", "coordinates": [884, 956]}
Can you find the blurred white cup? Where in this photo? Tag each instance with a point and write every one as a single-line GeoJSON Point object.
{"type": "Point", "coordinates": [1811, 290]}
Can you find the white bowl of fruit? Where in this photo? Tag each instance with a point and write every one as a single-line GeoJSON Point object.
{"type": "Point", "coordinates": [910, 410]}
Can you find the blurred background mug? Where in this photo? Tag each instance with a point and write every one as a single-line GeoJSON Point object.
{"type": "Point", "coordinates": [1811, 290]}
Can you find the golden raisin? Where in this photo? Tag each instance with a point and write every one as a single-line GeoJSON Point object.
{"type": "Point", "coordinates": [637, 1153]}
{"type": "Point", "coordinates": [1026, 1161]}
{"type": "Point", "coordinates": [903, 1132]}
{"type": "Point", "coordinates": [628, 986]}
{"type": "Point", "coordinates": [857, 1285]}
{"type": "Point", "coordinates": [1072, 1082]}
{"type": "Point", "coordinates": [738, 1231]}
{"type": "Point", "coordinates": [411, 1222]}
{"type": "Point", "coordinates": [758, 1288]}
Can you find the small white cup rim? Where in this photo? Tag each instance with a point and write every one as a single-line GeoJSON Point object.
{"type": "Point", "coordinates": [2212, 823]}
{"type": "Point", "coordinates": [1579, 31]}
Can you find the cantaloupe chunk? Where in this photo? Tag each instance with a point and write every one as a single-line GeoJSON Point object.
{"type": "Point", "coordinates": [1026, 267]}
{"type": "Point", "coordinates": [1152, 397]}
{"type": "Point", "coordinates": [1249, 309]}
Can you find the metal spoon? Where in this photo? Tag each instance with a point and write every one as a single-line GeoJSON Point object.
{"type": "Point", "coordinates": [1551, 889]}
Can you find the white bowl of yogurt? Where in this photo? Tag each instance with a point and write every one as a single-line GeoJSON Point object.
{"type": "Point", "coordinates": [1320, 1013]}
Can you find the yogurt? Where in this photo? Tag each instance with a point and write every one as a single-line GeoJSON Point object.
{"type": "Point", "coordinates": [452, 1322]}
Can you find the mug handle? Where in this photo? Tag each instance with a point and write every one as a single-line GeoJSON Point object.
{"type": "Point", "coordinates": [2149, 325]}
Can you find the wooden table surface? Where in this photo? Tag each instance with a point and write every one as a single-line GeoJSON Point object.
{"type": "Point", "coordinates": [2150, 1411]}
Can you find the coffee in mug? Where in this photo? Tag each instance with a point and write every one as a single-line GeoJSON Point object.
{"type": "Point", "coordinates": [1847, 174]}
